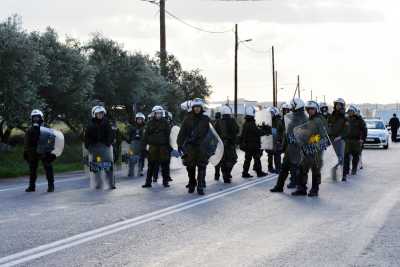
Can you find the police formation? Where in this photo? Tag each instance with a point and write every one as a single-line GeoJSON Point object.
{"type": "Point", "coordinates": [303, 133]}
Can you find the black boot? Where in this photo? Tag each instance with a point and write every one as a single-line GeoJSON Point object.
{"type": "Point", "coordinates": [313, 192]}
{"type": "Point", "coordinates": [50, 189]}
{"type": "Point", "coordinates": [30, 189]}
{"type": "Point", "coordinates": [344, 179]}
{"type": "Point", "coordinates": [291, 185]}
{"type": "Point", "coordinates": [227, 181]}
{"type": "Point", "coordinates": [191, 189]}
{"type": "Point", "coordinates": [276, 189]}
{"type": "Point", "coordinates": [261, 174]}
{"type": "Point", "coordinates": [246, 175]}
{"type": "Point", "coordinates": [216, 177]}
{"type": "Point", "coordinates": [301, 191]}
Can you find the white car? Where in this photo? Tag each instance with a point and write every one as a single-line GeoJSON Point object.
{"type": "Point", "coordinates": [378, 135]}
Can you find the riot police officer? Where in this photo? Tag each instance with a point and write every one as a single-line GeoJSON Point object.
{"type": "Point", "coordinates": [135, 138]}
{"type": "Point", "coordinates": [312, 151]}
{"type": "Point", "coordinates": [156, 135]}
{"type": "Point", "coordinates": [250, 143]}
{"type": "Point", "coordinates": [191, 143]}
{"type": "Point", "coordinates": [292, 159]}
{"type": "Point", "coordinates": [99, 133]}
{"type": "Point", "coordinates": [32, 155]}
{"type": "Point", "coordinates": [228, 130]}
{"type": "Point", "coordinates": [356, 135]}
{"type": "Point", "coordinates": [337, 128]}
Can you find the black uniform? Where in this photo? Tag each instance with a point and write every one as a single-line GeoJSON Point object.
{"type": "Point", "coordinates": [156, 135]}
{"type": "Point", "coordinates": [250, 143]}
{"type": "Point", "coordinates": [33, 157]}
{"type": "Point", "coordinates": [191, 141]}
{"type": "Point", "coordinates": [135, 135]}
{"type": "Point", "coordinates": [228, 130]}
{"type": "Point", "coordinates": [292, 159]}
{"type": "Point", "coordinates": [356, 135]}
{"type": "Point", "coordinates": [394, 124]}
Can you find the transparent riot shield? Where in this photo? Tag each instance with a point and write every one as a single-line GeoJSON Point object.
{"type": "Point", "coordinates": [174, 137]}
{"type": "Point", "coordinates": [176, 161]}
{"type": "Point", "coordinates": [101, 166]}
{"type": "Point", "coordinates": [264, 117]}
{"type": "Point", "coordinates": [50, 141]}
{"type": "Point", "coordinates": [59, 143]}
{"type": "Point", "coordinates": [217, 145]}
{"type": "Point", "coordinates": [131, 157]}
{"type": "Point", "coordinates": [85, 161]}
{"type": "Point", "coordinates": [314, 142]}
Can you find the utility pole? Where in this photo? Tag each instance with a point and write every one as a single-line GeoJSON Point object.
{"type": "Point", "coordinates": [311, 95]}
{"type": "Point", "coordinates": [324, 99]}
{"type": "Point", "coordinates": [275, 102]}
{"type": "Point", "coordinates": [273, 77]}
{"type": "Point", "coordinates": [163, 45]}
{"type": "Point", "coordinates": [236, 70]}
{"type": "Point", "coordinates": [298, 86]}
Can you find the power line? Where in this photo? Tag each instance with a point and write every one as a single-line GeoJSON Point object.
{"type": "Point", "coordinates": [196, 27]}
{"type": "Point", "coordinates": [169, 13]}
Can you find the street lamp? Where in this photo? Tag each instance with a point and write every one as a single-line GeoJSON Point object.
{"type": "Point", "coordinates": [237, 42]}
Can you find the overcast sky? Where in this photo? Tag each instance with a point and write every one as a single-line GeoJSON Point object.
{"type": "Point", "coordinates": [340, 48]}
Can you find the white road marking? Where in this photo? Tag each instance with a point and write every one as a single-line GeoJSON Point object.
{"type": "Point", "coordinates": [43, 250]}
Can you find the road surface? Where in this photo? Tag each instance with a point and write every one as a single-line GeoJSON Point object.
{"type": "Point", "coordinates": [242, 224]}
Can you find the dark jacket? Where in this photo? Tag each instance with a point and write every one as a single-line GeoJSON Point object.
{"type": "Point", "coordinates": [250, 139]}
{"type": "Point", "coordinates": [279, 126]}
{"type": "Point", "coordinates": [135, 132]}
{"type": "Point", "coordinates": [337, 125]}
{"type": "Point", "coordinates": [228, 130]}
{"type": "Point", "coordinates": [191, 138]}
{"type": "Point", "coordinates": [156, 135]}
{"type": "Point", "coordinates": [99, 132]}
{"type": "Point", "coordinates": [357, 130]}
{"type": "Point", "coordinates": [394, 123]}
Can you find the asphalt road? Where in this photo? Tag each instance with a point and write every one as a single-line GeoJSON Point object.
{"type": "Point", "coordinates": [242, 224]}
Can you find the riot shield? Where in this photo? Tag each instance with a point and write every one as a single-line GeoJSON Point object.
{"type": "Point", "coordinates": [174, 137]}
{"type": "Point", "coordinates": [85, 161]}
{"type": "Point", "coordinates": [50, 141]}
{"type": "Point", "coordinates": [131, 157]}
{"type": "Point", "coordinates": [315, 143]}
{"type": "Point", "coordinates": [101, 166]}
{"type": "Point", "coordinates": [176, 161]}
{"type": "Point", "coordinates": [58, 144]}
{"type": "Point", "coordinates": [216, 145]}
{"type": "Point", "coordinates": [264, 117]}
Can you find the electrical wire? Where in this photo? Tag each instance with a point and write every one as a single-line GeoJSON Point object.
{"type": "Point", "coordinates": [169, 13]}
